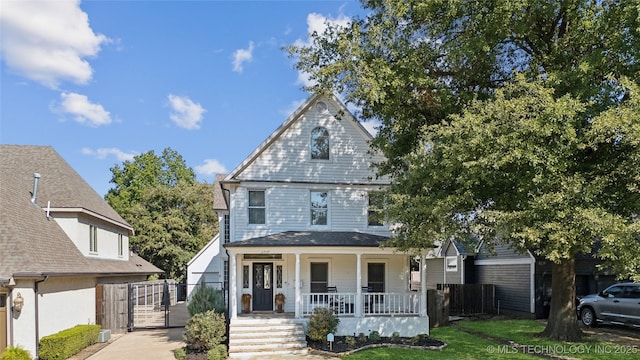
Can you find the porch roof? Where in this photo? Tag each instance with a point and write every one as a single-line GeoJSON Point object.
{"type": "Point", "coordinates": [312, 238]}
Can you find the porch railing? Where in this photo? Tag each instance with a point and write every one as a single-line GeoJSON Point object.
{"type": "Point", "coordinates": [373, 304]}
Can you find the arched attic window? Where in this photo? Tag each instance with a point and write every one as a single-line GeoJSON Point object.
{"type": "Point", "coordinates": [319, 144]}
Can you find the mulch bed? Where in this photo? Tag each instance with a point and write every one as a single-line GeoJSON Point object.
{"type": "Point", "coordinates": [341, 346]}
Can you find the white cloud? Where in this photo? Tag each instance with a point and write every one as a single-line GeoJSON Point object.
{"type": "Point", "coordinates": [186, 114]}
{"type": "Point", "coordinates": [102, 153]}
{"type": "Point", "coordinates": [211, 167]}
{"type": "Point", "coordinates": [242, 56]}
{"type": "Point", "coordinates": [48, 41]}
{"type": "Point", "coordinates": [317, 23]}
{"type": "Point", "coordinates": [83, 110]}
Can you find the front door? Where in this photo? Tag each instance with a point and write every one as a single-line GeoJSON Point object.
{"type": "Point", "coordinates": [262, 286]}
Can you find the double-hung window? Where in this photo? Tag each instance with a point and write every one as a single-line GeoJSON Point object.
{"type": "Point", "coordinates": [375, 208]}
{"type": "Point", "coordinates": [319, 207]}
{"type": "Point", "coordinates": [93, 239]}
{"type": "Point", "coordinates": [257, 207]}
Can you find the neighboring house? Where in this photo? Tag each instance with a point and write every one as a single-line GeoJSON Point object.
{"type": "Point", "coordinates": [210, 265]}
{"type": "Point", "coordinates": [522, 280]}
{"type": "Point", "coordinates": [299, 216]}
{"type": "Point", "coordinates": [450, 263]}
{"type": "Point", "coordinates": [58, 240]}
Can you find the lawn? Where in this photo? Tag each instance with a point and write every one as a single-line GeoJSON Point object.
{"type": "Point", "coordinates": [462, 345]}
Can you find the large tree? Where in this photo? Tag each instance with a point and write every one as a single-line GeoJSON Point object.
{"type": "Point", "coordinates": [171, 213]}
{"type": "Point", "coordinates": [515, 120]}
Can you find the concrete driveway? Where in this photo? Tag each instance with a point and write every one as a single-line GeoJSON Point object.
{"type": "Point", "coordinates": [143, 344]}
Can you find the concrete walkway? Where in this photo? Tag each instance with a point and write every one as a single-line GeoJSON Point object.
{"type": "Point", "coordinates": [143, 344]}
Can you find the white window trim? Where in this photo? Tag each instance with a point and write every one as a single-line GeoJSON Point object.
{"type": "Point", "coordinates": [120, 245]}
{"type": "Point", "coordinates": [93, 239]}
{"type": "Point", "coordinates": [446, 263]}
{"type": "Point", "coordinates": [328, 224]}
{"type": "Point", "coordinates": [311, 141]}
{"type": "Point", "coordinates": [266, 211]}
{"type": "Point", "coordinates": [367, 212]}
{"type": "Point", "coordinates": [319, 260]}
{"type": "Point", "coordinates": [365, 277]}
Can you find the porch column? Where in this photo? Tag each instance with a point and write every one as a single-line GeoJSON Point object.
{"type": "Point", "coordinates": [297, 287]}
{"type": "Point", "coordinates": [233, 286]}
{"type": "Point", "coordinates": [358, 285]}
{"type": "Point", "coordinates": [423, 286]}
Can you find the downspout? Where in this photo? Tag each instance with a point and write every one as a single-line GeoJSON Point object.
{"type": "Point", "coordinates": [37, 314]}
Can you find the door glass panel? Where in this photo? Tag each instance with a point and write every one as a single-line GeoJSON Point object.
{"type": "Point", "coordinates": [279, 276]}
{"type": "Point", "coordinates": [267, 276]}
{"type": "Point", "coordinates": [258, 277]}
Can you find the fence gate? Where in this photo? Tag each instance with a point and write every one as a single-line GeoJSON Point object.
{"type": "Point", "coordinates": [157, 304]}
{"type": "Point", "coordinates": [112, 307]}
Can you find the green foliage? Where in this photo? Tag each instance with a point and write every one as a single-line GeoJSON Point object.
{"type": "Point", "coordinates": [362, 337]}
{"type": "Point", "coordinates": [395, 337]}
{"type": "Point", "coordinates": [513, 122]}
{"type": "Point", "coordinates": [204, 331]}
{"type": "Point", "coordinates": [66, 343]}
{"type": "Point", "coordinates": [171, 213]}
{"type": "Point", "coordinates": [205, 298]}
{"type": "Point", "coordinates": [217, 353]}
{"type": "Point", "coordinates": [419, 339]}
{"type": "Point", "coordinates": [15, 353]}
{"type": "Point", "coordinates": [350, 340]}
{"type": "Point", "coordinates": [322, 322]}
{"type": "Point", "coordinates": [374, 336]}
{"type": "Point", "coordinates": [180, 353]}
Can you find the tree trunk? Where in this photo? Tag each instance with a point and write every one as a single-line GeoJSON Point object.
{"type": "Point", "coordinates": [562, 324]}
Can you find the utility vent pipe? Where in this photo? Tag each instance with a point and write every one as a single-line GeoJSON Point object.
{"type": "Point", "coordinates": [34, 195]}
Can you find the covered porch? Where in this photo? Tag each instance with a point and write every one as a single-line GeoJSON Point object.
{"type": "Point", "coordinates": [367, 286]}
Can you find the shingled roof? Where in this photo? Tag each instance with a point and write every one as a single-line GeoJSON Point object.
{"type": "Point", "coordinates": [31, 242]}
{"type": "Point", "coordinates": [312, 238]}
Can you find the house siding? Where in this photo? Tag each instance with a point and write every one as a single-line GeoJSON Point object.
{"type": "Point", "coordinates": [288, 157]}
{"type": "Point", "coordinates": [288, 209]}
{"type": "Point", "coordinates": [513, 284]}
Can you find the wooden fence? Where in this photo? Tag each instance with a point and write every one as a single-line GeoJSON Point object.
{"type": "Point", "coordinates": [112, 307]}
{"type": "Point", "coordinates": [470, 299]}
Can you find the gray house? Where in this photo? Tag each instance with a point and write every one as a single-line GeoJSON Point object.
{"type": "Point", "coordinates": [522, 280]}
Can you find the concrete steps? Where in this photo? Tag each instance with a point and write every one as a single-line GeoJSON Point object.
{"type": "Point", "coordinates": [255, 338]}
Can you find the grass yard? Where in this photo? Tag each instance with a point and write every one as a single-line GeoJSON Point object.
{"type": "Point", "coordinates": [462, 345]}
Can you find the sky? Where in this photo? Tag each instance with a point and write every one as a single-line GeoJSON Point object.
{"type": "Point", "coordinates": [102, 81]}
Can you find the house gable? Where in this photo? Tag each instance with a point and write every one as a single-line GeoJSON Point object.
{"type": "Point", "coordinates": [285, 156]}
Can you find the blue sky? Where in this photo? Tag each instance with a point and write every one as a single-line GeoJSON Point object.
{"type": "Point", "coordinates": [102, 81]}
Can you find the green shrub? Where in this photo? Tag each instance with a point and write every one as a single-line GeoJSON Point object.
{"type": "Point", "coordinates": [395, 337]}
{"type": "Point", "coordinates": [374, 336]}
{"type": "Point", "coordinates": [15, 353]}
{"type": "Point", "coordinates": [205, 298]}
{"type": "Point", "coordinates": [419, 339]}
{"type": "Point", "coordinates": [217, 353]}
{"type": "Point", "coordinates": [180, 353]}
{"type": "Point", "coordinates": [322, 322]}
{"type": "Point", "coordinates": [362, 337]}
{"type": "Point", "coordinates": [350, 340]}
{"type": "Point", "coordinates": [68, 342]}
{"type": "Point", "coordinates": [204, 331]}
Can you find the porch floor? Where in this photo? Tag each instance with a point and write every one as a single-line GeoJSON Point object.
{"type": "Point", "coordinates": [267, 315]}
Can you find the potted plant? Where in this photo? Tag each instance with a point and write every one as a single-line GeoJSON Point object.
{"type": "Point", "coordinates": [246, 303]}
{"type": "Point", "coordinates": [280, 302]}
